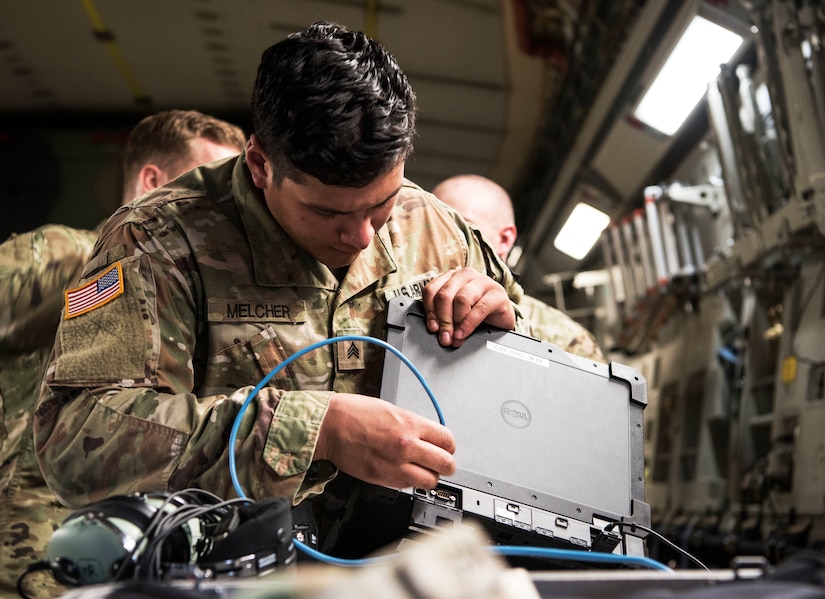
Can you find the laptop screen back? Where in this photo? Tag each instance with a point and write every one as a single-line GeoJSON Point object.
{"type": "Point", "coordinates": [532, 424]}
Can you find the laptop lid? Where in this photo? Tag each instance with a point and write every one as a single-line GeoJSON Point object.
{"type": "Point", "coordinates": [533, 424]}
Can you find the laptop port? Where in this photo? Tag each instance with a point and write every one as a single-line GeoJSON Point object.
{"type": "Point", "coordinates": [441, 495]}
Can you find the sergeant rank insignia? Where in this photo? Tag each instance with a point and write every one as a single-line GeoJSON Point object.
{"type": "Point", "coordinates": [350, 354]}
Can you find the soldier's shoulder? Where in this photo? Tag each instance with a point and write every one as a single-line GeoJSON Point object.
{"type": "Point", "coordinates": [555, 326]}
{"type": "Point", "coordinates": [539, 311]}
{"type": "Point", "coordinates": [51, 232]}
{"type": "Point", "coordinates": [79, 237]}
{"type": "Point", "coordinates": [416, 203]}
{"type": "Point", "coordinates": [413, 195]}
{"type": "Point", "coordinates": [48, 242]}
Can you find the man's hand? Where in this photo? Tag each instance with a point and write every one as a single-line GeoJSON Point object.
{"type": "Point", "coordinates": [379, 443]}
{"type": "Point", "coordinates": [457, 301]}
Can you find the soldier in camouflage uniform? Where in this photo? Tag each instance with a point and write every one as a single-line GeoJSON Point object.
{"type": "Point", "coordinates": [35, 269]}
{"type": "Point", "coordinates": [486, 205]}
{"type": "Point", "coordinates": [236, 266]}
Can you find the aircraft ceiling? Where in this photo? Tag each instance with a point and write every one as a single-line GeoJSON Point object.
{"type": "Point", "coordinates": [531, 93]}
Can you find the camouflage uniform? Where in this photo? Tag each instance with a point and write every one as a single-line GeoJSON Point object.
{"type": "Point", "coordinates": [556, 327]}
{"type": "Point", "coordinates": [142, 391]}
{"type": "Point", "coordinates": [35, 269]}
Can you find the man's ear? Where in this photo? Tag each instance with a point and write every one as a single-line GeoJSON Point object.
{"type": "Point", "coordinates": [150, 177]}
{"type": "Point", "coordinates": [506, 238]}
{"type": "Point", "coordinates": [257, 162]}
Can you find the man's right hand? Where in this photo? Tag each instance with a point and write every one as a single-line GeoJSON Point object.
{"type": "Point", "coordinates": [379, 443]}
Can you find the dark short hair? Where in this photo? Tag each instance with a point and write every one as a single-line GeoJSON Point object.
{"type": "Point", "coordinates": [334, 104]}
{"type": "Point", "coordinates": [163, 139]}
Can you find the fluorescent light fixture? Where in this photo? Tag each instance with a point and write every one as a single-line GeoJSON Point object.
{"type": "Point", "coordinates": [684, 78]}
{"type": "Point", "coordinates": [582, 229]}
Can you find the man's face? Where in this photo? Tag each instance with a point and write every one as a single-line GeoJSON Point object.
{"type": "Point", "coordinates": [333, 224]}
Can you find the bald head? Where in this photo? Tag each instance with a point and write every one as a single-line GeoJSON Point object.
{"type": "Point", "coordinates": [483, 203]}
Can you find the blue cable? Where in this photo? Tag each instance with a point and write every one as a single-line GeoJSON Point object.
{"type": "Point", "coordinates": [580, 556]}
{"type": "Point", "coordinates": [233, 435]}
{"type": "Point", "coordinates": [502, 550]}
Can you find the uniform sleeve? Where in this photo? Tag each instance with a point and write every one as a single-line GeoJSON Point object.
{"type": "Point", "coordinates": [120, 413]}
{"type": "Point", "coordinates": [35, 268]}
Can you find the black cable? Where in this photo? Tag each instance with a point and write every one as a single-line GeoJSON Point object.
{"type": "Point", "coordinates": [35, 567]}
{"type": "Point", "coordinates": [132, 555]}
{"type": "Point", "coordinates": [672, 545]}
{"type": "Point", "coordinates": [174, 511]}
{"type": "Point", "coordinates": [150, 563]}
{"type": "Point", "coordinates": [174, 530]}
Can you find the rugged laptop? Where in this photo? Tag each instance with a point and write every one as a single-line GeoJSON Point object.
{"type": "Point", "coordinates": [550, 446]}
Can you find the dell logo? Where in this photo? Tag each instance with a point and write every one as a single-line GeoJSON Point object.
{"type": "Point", "coordinates": [516, 414]}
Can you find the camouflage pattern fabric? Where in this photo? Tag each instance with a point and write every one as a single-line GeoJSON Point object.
{"type": "Point", "coordinates": [142, 391]}
{"type": "Point", "coordinates": [35, 268]}
{"type": "Point", "coordinates": [556, 327]}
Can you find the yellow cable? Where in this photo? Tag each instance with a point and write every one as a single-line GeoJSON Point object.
{"type": "Point", "coordinates": [108, 39]}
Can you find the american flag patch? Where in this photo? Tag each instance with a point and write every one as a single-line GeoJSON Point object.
{"type": "Point", "coordinates": [95, 293]}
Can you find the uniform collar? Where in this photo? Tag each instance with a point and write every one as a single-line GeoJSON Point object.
{"type": "Point", "coordinates": [278, 261]}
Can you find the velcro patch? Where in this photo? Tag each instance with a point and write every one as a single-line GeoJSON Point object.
{"type": "Point", "coordinates": [95, 293]}
{"type": "Point", "coordinates": [350, 355]}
